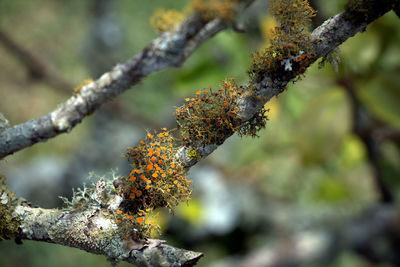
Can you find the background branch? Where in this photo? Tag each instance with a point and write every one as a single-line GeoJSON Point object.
{"type": "Point", "coordinates": [321, 244]}
{"type": "Point", "coordinates": [171, 49]}
{"type": "Point", "coordinates": [36, 68]}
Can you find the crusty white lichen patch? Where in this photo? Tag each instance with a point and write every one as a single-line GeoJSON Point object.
{"type": "Point", "coordinates": [36, 223]}
{"type": "Point", "coordinates": [104, 223]}
{"type": "Point", "coordinates": [109, 77]}
{"type": "Point", "coordinates": [4, 198]}
{"type": "Point", "coordinates": [115, 202]}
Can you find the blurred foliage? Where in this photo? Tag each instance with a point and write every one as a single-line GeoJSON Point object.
{"type": "Point", "coordinates": [307, 163]}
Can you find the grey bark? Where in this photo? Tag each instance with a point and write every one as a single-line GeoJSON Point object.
{"type": "Point", "coordinates": [94, 230]}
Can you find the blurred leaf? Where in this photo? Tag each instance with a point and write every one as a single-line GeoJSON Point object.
{"type": "Point", "coordinates": [360, 53]}
{"type": "Point", "coordinates": [352, 151]}
{"type": "Point", "coordinates": [191, 212]}
{"type": "Point", "coordinates": [274, 107]}
{"type": "Point", "coordinates": [330, 190]}
{"type": "Point", "coordinates": [220, 58]}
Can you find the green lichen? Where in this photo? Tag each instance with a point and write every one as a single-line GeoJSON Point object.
{"type": "Point", "coordinates": [4, 124]}
{"type": "Point", "coordinates": [9, 224]}
{"type": "Point", "coordinates": [80, 198]}
{"type": "Point", "coordinates": [193, 154]}
{"type": "Point", "coordinates": [254, 125]}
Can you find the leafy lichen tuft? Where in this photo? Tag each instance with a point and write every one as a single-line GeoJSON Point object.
{"type": "Point", "coordinates": [289, 50]}
{"type": "Point", "coordinates": [9, 224]}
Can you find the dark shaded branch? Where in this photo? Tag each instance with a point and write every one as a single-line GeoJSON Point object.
{"type": "Point", "coordinates": [37, 70]}
{"type": "Point", "coordinates": [40, 72]}
{"type": "Point", "coordinates": [365, 126]}
{"type": "Point", "coordinates": [171, 49]}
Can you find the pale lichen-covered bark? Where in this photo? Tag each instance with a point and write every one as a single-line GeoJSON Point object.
{"type": "Point", "coordinates": [93, 229]}
{"type": "Point", "coordinates": [90, 226]}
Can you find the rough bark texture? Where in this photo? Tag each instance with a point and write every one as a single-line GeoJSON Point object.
{"type": "Point", "coordinates": [94, 231]}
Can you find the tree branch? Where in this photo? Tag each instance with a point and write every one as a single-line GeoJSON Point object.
{"type": "Point", "coordinates": [325, 39]}
{"type": "Point", "coordinates": [366, 127]}
{"type": "Point", "coordinates": [94, 230]}
{"type": "Point", "coordinates": [171, 49]}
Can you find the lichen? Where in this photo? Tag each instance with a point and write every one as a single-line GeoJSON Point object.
{"type": "Point", "coordinates": [9, 223]}
{"type": "Point", "coordinates": [4, 124]}
{"type": "Point", "coordinates": [211, 9]}
{"type": "Point", "coordinates": [211, 116]}
{"type": "Point", "coordinates": [194, 154]}
{"type": "Point", "coordinates": [157, 180]}
{"type": "Point", "coordinates": [165, 20]}
{"type": "Point", "coordinates": [79, 87]}
{"type": "Point", "coordinates": [289, 50]}
{"type": "Point", "coordinates": [80, 198]}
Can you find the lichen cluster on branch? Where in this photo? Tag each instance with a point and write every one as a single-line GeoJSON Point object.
{"type": "Point", "coordinates": [158, 178]}
{"type": "Point", "coordinates": [9, 223]}
{"type": "Point", "coordinates": [289, 49]}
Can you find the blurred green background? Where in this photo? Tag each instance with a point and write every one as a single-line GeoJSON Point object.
{"type": "Point", "coordinates": [329, 136]}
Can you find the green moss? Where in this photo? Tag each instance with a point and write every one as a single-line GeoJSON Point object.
{"type": "Point", "coordinates": [9, 224]}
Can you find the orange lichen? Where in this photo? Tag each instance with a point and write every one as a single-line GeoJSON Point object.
{"type": "Point", "coordinates": [210, 117]}
{"type": "Point", "coordinates": [150, 184]}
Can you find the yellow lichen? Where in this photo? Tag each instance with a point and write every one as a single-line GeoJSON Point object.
{"type": "Point", "coordinates": [210, 9]}
{"type": "Point", "coordinates": [78, 88]}
{"type": "Point", "coordinates": [165, 20]}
